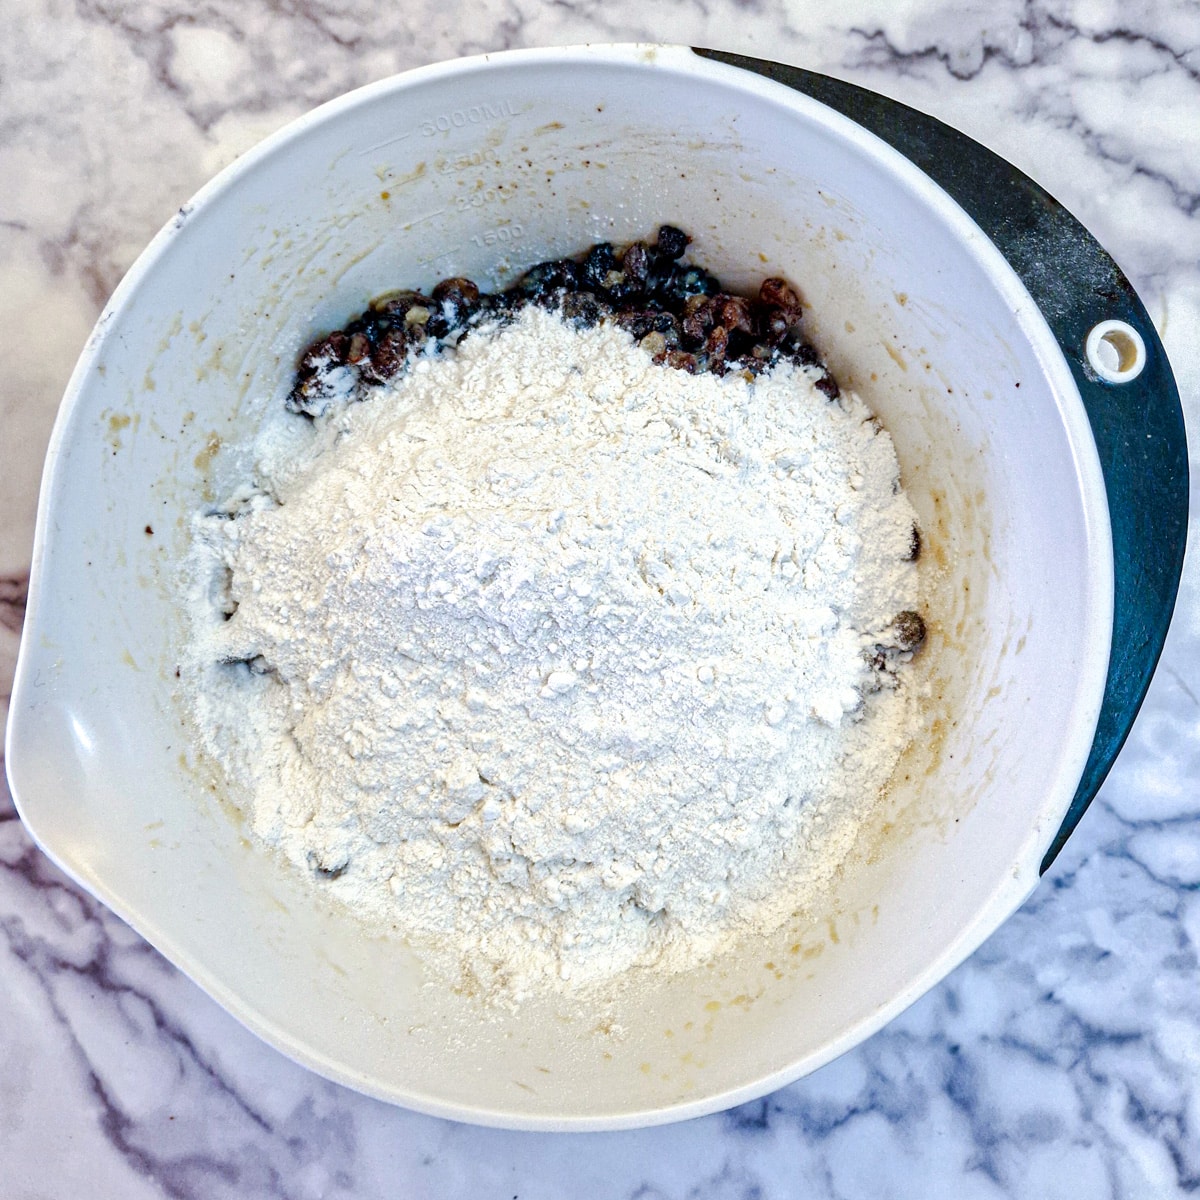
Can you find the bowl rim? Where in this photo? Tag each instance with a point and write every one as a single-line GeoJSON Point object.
{"type": "Point", "coordinates": [1010, 890]}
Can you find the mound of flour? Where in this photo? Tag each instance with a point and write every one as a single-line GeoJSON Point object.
{"type": "Point", "coordinates": [558, 657]}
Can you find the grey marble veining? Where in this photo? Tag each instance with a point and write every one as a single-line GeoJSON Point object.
{"type": "Point", "coordinates": [1061, 1060]}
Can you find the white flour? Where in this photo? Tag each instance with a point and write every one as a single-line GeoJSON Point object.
{"type": "Point", "coordinates": [558, 657]}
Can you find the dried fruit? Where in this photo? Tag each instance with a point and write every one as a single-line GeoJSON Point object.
{"type": "Point", "coordinates": [910, 630]}
{"type": "Point", "coordinates": [676, 309]}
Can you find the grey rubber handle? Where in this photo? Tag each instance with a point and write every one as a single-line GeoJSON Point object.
{"type": "Point", "coordinates": [1138, 425]}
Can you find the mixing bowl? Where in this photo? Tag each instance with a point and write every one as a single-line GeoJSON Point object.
{"type": "Point", "coordinates": [1036, 472]}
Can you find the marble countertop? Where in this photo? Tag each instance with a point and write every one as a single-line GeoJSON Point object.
{"type": "Point", "coordinates": [1062, 1059]}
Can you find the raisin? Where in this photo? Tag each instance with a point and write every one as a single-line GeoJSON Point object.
{"type": "Point", "coordinates": [255, 664]}
{"type": "Point", "coordinates": [877, 659]}
{"type": "Point", "coordinates": [330, 351]}
{"type": "Point", "coordinates": [748, 365]}
{"type": "Point", "coordinates": [671, 242]}
{"type": "Point", "coordinates": [458, 289]}
{"type": "Point", "coordinates": [697, 281]}
{"type": "Point", "coordinates": [804, 354]}
{"type": "Point", "coordinates": [697, 321]}
{"type": "Point", "coordinates": [437, 323]}
{"type": "Point", "coordinates": [626, 287]}
{"type": "Point", "coordinates": [396, 305]}
{"type": "Point", "coordinates": [635, 264]}
{"type": "Point", "coordinates": [778, 293]}
{"type": "Point", "coordinates": [655, 345]}
{"type": "Point", "coordinates": [308, 397]}
{"type": "Point", "coordinates": [637, 323]}
{"type": "Point", "coordinates": [387, 357]}
{"type": "Point", "coordinates": [326, 369]}
{"type": "Point", "coordinates": [598, 262]}
{"type": "Point", "coordinates": [827, 385]}
{"type": "Point", "coordinates": [542, 280]}
{"type": "Point", "coordinates": [668, 325]}
{"type": "Point", "coordinates": [770, 324]}
{"type": "Point", "coordinates": [499, 306]}
{"type": "Point", "coordinates": [669, 288]}
{"type": "Point", "coordinates": [326, 869]}
{"type": "Point", "coordinates": [717, 345]}
{"type": "Point", "coordinates": [914, 545]}
{"type": "Point", "coordinates": [458, 298]}
{"type": "Point", "coordinates": [910, 630]}
{"type": "Point", "coordinates": [583, 309]}
{"type": "Point", "coordinates": [682, 361]}
{"type": "Point", "coordinates": [733, 312]}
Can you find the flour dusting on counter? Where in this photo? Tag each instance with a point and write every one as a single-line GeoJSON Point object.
{"type": "Point", "coordinates": [560, 658]}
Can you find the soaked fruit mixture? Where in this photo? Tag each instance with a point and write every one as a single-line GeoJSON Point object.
{"type": "Point", "coordinates": [677, 311]}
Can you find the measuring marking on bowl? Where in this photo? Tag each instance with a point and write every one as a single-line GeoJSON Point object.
{"type": "Point", "coordinates": [391, 141]}
{"type": "Point", "coordinates": [415, 221]}
{"type": "Point", "coordinates": [1116, 351]}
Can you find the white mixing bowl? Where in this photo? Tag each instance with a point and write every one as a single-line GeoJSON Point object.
{"type": "Point", "coordinates": [475, 168]}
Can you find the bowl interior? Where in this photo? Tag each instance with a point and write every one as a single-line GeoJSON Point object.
{"type": "Point", "coordinates": [479, 168]}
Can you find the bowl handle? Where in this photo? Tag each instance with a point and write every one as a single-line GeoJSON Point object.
{"type": "Point", "coordinates": [1137, 425]}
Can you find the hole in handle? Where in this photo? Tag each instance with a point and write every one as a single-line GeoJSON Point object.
{"type": "Point", "coordinates": [1115, 351]}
